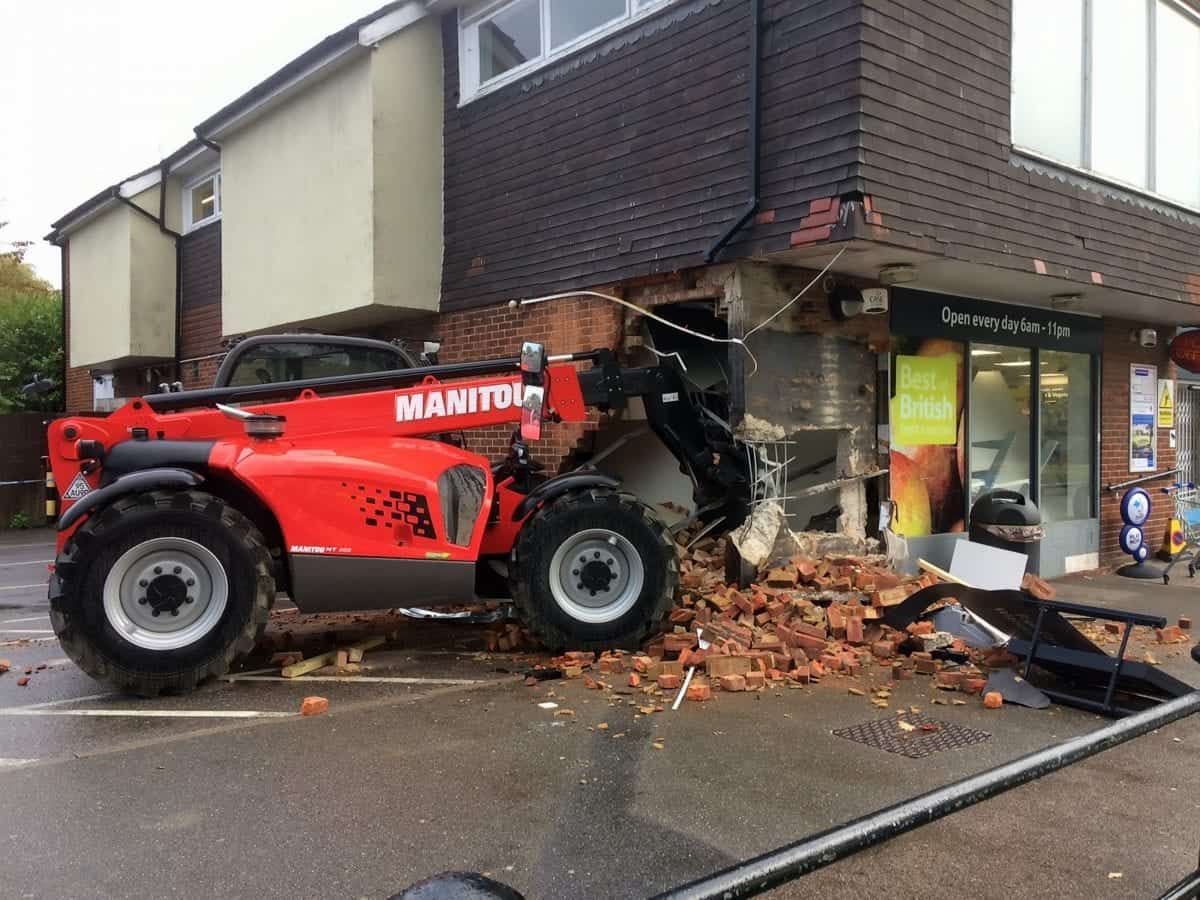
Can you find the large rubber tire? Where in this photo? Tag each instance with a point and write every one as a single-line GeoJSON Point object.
{"type": "Point", "coordinates": [564, 522]}
{"type": "Point", "coordinates": [84, 628]}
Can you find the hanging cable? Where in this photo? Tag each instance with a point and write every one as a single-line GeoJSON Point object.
{"type": "Point", "coordinates": [740, 342]}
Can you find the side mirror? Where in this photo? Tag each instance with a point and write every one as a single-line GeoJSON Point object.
{"type": "Point", "coordinates": [533, 383]}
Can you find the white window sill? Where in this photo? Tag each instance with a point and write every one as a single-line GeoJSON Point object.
{"type": "Point", "coordinates": [203, 223]}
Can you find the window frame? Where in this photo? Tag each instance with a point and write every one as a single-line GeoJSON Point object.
{"type": "Point", "coordinates": [1084, 167]}
{"type": "Point", "coordinates": [186, 200]}
{"type": "Point", "coordinates": [469, 84]}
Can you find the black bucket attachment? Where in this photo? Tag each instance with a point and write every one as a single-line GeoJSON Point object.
{"type": "Point", "coordinates": [1082, 673]}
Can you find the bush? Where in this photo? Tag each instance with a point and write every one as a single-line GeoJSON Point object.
{"type": "Point", "coordinates": [20, 520]}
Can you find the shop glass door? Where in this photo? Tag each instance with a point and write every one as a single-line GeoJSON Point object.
{"type": "Point", "coordinates": [1031, 429]}
{"type": "Point", "coordinates": [1000, 419]}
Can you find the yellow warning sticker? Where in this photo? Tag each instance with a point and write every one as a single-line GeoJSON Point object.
{"type": "Point", "coordinates": [1166, 403]}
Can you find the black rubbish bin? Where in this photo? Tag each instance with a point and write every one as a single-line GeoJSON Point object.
{"type": "Point", "coordinates": [1010, 521]}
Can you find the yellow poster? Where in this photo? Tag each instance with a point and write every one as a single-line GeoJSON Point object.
{"type": "Point", "coordinates": [924, 407]}
{"type": "Point", "coordinates": [1166, 403]}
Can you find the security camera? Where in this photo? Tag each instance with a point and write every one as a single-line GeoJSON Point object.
{"type": "Point", "coordinates": [1147, 337]}
{"type": "Point", "coordinates": [874, 301]}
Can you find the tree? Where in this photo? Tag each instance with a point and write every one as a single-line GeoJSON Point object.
{"type": "Point", "coordinates": [30, 348]}
{"type": "Point", "coordinates": [17, 277]}
{"type": "Point", "coordinates": [31, 340]}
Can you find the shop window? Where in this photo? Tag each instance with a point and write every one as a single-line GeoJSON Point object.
{"type": "Point", "coordinates": [999, 428]}
{"type": "Point", "coordinates": [926, 424]}
{"type": "Point", "coordinates": [502, 41]}
{"type": "Point", "coordinates": [1065, 409]}
{"type": "Point", "coordinates": [1109, 87]}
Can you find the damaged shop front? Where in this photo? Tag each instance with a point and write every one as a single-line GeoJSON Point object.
{"type": "Point", "coordinates": [987, 396]}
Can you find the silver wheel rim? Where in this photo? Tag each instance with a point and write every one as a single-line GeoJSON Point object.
{"type": "Point", "coordinates": [165, 593]}
{"type": "Point", "coordinates": [596, 576]}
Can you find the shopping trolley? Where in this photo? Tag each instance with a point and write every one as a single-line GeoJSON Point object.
{"type": "Point", "coordinates": [1187, 511]}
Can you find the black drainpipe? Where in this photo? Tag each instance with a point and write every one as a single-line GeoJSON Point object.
{"type": "Point", "coordinates": [752, 201]}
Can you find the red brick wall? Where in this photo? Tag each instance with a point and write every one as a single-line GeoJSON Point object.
{"type": "Point", "coordinates": [564, 326]}
{"type": "Point", "coordinates": [1119, 353]}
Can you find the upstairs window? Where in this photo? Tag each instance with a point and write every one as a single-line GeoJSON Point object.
{"type": "Point", "coordinates": [202, 201]}
{"type": "Point", "coordinates": [501, 41]}
{"type": "Point", "coordinates": [1111, 87]}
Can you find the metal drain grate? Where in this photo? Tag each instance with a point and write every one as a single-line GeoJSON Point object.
{"type": "Point", "coordinates": [886, 734]}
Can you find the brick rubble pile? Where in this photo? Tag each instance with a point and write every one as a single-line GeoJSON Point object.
{"type": "Point", "coordinates": [804, 621]}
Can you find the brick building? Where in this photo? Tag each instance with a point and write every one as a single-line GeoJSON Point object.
{"type": "Point", "coordinates": [1016, 191]}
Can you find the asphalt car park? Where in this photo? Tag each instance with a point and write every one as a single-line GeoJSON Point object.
{"type": "Point", "coordinates": [440, 757]}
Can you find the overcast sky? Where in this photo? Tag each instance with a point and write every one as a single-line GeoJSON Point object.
{"type": "Point", "coordinates": [92, 91]}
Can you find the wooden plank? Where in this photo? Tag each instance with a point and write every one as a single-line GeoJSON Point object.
{"type": "Point", "coordinates": [309, 665]}
{"type": "Point", "coordinates": [357, 650]}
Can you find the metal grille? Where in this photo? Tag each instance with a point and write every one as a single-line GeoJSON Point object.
{"type": "Point", "coordinates": [928, 736]}
{"type": "Point", "coordinates": [1187, 419]}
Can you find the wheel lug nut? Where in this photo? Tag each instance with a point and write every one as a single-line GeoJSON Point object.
{"type": "Point", "coordinates": [583, 559]}
{"type": "Point", "coordinates": [158, 570]}
{"type": "Point", "coordinates": [190, 600]}
{"type": "Point", "coordinates": [143, 583]}
{"type": "Point", "coordinates": [581, 585]}
{"type": "Point", "coordinates": [175, 612]}
{"type": "Point", "coordinates": [154, 613]}
{"type": "Point", "coordinates": [190, 582]}
{"type": "Point", "coordinates": [177, 569]}
{"type": "Point", "coordinates": [593, 593]}
{"type": "Point", "coordinates": [574, 571]}
{"type": "Point", "coordinates": [142, 601]}
{"type": "Point", "coordinates": [596, 555]}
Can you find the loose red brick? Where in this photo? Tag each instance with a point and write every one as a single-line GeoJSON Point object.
{"type": "Point", "coordinates": [699, 691]}
{"type": "Point", "coordinates": [883, 649]}
{"type": "Point", "coordinates": [674, 643]}
{"type": "Point", "coordinates": [642, 664]}
{"type": "Point", "coordinates": [635, 680]}
{"type": "Point", "coordinates": [816, 670]}
{"type": "Point", "coordinates": [1169, 635]}
{"type": "Point", "coordinates": [755, 680]}
{"type": "Point", "coordinates": [973, 685]}
{"type": "Point", "coordinates": [774, 675]}
{"type": "Point", "coordinates": [581, 657]}
{"type": "Point", "coordinates": [1185, 623]}
{"type": "Point", "coordinates": [949, 681]}
{"type": "Point", "coordinates": [669, 682]}
{"type": "Point", "coordinates": [854, 630]}
{"type": "Point", "coordinates": [314, 706]}
{"type": "Point", "coordinates": [5, 665]}
{"type": "Point", "coordinates": [611, 665]}
{"type": "Point", "coordinates": [801, 674]}
{"type": "Point", "coordinates": [993, 700]}
{"type": "Point", "coordinates": [681, 616]}
{"type": "Point", "coordinates": [572, 671]}
{"type": "Point", "coordinates": [591, 683]}
{"type": "Point", "coordinates": [1113, 627]}
{"type": "Point", "coordinates": [733, 682]}
{"type": "Point", "coordinates": [22, 681]}
{"type": "Point", "coordinates": [919, 628]}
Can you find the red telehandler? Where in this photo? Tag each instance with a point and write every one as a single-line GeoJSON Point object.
{"type": "Point", "coordinates": [184, 513]}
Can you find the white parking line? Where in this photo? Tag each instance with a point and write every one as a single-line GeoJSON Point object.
{"type": "Point", "coordinates": [67, 700]}
{"type": "Point", "coordinates": [26, 631]}
{"type": "Point", "coordinates": [7, 762]}
{"type": "Point", "coordinates": [26, 619]}
{"type": "Point", "coordinates": [4, 547]}
{"type": "Point", "coordinates": [351, 679]}
{"type": "Point", "coordinates": [24, 587]}
{"type": "Point", "coordinates": [26, 641]}
{"type": "Point", "coordinates": [150, 713]}
{"type": "Point", "coordinates": [30, 562]}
